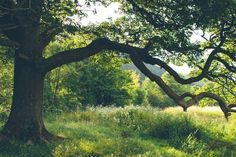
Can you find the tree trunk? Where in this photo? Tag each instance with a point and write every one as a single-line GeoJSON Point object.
{"type": "Point", "coordinates": [25, 120]}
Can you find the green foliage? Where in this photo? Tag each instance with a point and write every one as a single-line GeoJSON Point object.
{"type": "Point", "coordinates": [156, 96]}
{"type": "Point", "coordinates": [177, 128]}
{"type": "Point", "coordinates": [6, 83]}
{"type": "Point", "coordinates": [56, 13]}
{"type": "Point", "coordinates": [101, 81]}
{"type": "Point", "coordinates": [134, 131]}
{"type": "Point", "coordinates": [98, 80]}
{"type": "Point", "coordinates": [6, 80]}
{"type": "Point", "coordinates": [221, 90]}
{"type": "Point", "coordinates": [193, 146]}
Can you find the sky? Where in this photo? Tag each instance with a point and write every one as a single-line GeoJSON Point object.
{"type": "Point", "coordinates": [102, 13]}
{"type": "Point", "coordinates": [112, 11]}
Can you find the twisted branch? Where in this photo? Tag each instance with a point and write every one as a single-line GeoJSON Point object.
{"type": "Point", "coordinates": [180, 99]}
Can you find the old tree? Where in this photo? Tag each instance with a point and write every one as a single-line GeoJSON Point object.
{"type": "Point", "coordinates": [155, 32]}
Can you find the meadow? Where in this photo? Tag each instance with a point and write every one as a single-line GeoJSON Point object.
{"type": "Point", "coordinates": [133, 131]}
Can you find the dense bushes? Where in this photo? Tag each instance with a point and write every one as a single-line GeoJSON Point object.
{"type": "Point", "coordinates": [101, 81]}
{"type": "Point", "coordinates": [96, 81]}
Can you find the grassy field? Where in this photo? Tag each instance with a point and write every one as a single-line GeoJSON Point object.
{"type": "Point", "coordinates": [134, 131]}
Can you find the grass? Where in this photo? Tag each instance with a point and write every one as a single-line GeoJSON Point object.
{"type": "Point", "coordinates": [134, 131]}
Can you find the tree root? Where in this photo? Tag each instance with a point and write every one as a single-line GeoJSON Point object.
{"type": "Point", "coordinates": [44, 137]}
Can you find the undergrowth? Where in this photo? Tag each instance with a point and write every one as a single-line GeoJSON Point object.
{"type": "Point", "coordinates": [133, 131]}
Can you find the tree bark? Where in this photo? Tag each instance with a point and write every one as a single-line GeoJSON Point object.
{"type": "Point", "coordinates": [25, 120]}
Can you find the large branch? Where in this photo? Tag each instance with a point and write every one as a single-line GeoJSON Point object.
{"type": "Point", "coordinates": [79, 54]}
{"type": "Point", "coordinates": [48, 34]}
{"type": "Point", "coordinates": [180, 100]}
{"type": "Point", "coordinates": [204, 71]}
{"type": "Point", "coordinates": [98, 45]}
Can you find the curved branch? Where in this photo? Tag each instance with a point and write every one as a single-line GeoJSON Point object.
{"type": "Point", "coordinates": [156, 61]}
{"type": "Point", "coordinates": [196, 98]}
{"type": "Point", "coordinates": [136, 59]}
{"type": "Point", "coordinates": [150, 60]}
{"type": "Point", "coordinates": [180, 99]}
{"type": "Point", "coordinates": [100, 44]}
{"type": "Point", "coordinates": [79, 54]}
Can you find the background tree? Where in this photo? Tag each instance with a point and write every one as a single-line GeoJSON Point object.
{"type": "Point", "coordinates": [96, 81]}
{"type": "Point", "coordinates": [156, 32]}
{"type": "Point", "coordinates": [216, 88]}
{"type": "Point", "coordinates": [156, 96]}
{"type": "Point", "coordinates": [100, 80]}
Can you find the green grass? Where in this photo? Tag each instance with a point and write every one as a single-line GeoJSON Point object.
{"type": "Point", "coordinates": [134, 131]}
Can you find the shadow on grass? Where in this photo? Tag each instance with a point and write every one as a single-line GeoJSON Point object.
{"type": "Point", "coordinates": [69, 147]}
{"type": "Point", "coordinates": [183, 134]}
{"type": "Point", "coordinates": [139, 133]}
{"type": "Point", "coordinates": [17, 149]}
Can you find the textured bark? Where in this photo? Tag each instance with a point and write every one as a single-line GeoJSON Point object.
{"type": "Point", "coordinates": [25, 121]}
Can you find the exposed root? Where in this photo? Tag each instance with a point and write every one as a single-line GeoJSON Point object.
{"type": "Point", "coordinates": [43, 137]}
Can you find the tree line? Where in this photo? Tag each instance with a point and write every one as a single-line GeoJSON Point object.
{"type": "Point", "coordinates": [101, 80]}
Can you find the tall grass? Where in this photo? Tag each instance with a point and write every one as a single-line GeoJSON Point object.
{"type": "Point", "coordinates": [135, 131]}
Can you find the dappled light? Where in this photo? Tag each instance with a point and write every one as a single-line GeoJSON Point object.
{"type": "Point", "coordinates": [117, 78]}
{"type": "Point", "coordinates": [134, 131]}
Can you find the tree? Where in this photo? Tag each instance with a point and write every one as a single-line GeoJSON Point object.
{"type": "Point", "coordinates": [100, 80]}
{"type": "Point", "coordinates": [153, 32]}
